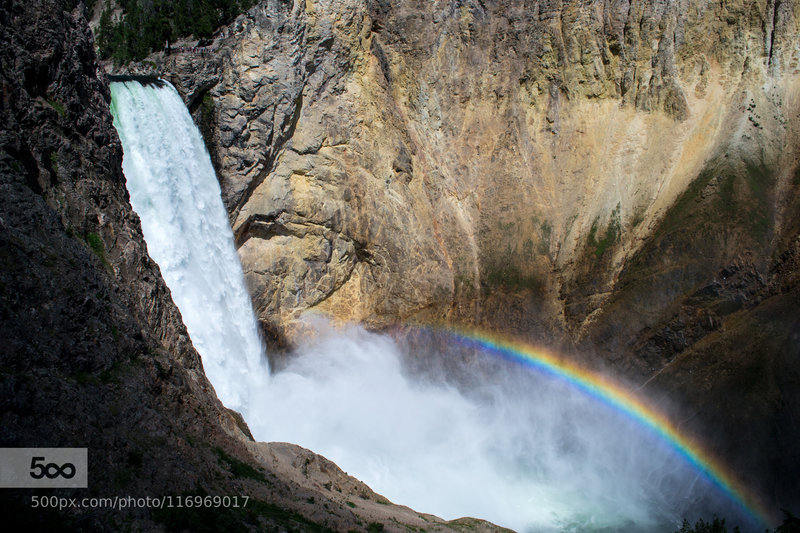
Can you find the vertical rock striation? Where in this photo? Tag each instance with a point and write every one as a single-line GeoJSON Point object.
{"type": "Point", "coordinates": [498, 163]}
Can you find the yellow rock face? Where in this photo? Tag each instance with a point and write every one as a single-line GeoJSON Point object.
{"type": "Point", "coordinates": [430, 163]}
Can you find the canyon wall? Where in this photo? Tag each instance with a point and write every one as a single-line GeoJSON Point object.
{"type": "Point", "coordinates": [496, 163]}
{"type": "Point", "coordinates": [618, 179]}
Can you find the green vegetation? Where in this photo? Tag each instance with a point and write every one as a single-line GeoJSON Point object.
{"type": "Point", "coordinates": [717, 525]}
{"type": "Point", "coordinates": [146, 25]}
{"type": "Point", "coordinates": [683, 210]}
{"type": "Point", "coordinates": [84, 378]}
{"type": "Point", "coordinates": [727, 206]}
{"type": "Point", "coordinates": [54, 162]}
{"type": "Point", "coordinates": [504, 272]}
{"type": "Point", "coordinates": [96, 244]}
{"type": "Point", "coordinates": [58, 106]}
{"type": "Point", "coordinates": [515, 267]}
{"type": "Point", "coordinates": [464, 284]}
{"type": "Point", "coordinates": [742, 198]}
{"type": "Point", "coordinates": [207, 109]}
{"type": "Point", "coordinates": [612, 233]}
{"type": "Point", "coordinates": [545, 231]}
{"type": "Point", "coordinates": [527, 249]}
{"type": "Point", "coordinates": [109, 375]}
{"type": "Point", "coordinates": [375, 527]}
{"type": "Point", "coordinates": [116, 373]}
{"type": "Point", "coordinates": [758, 178]}
{"type": "Point", "coordinates": [350, 504]}
{"type": "Point", "coordinates": [239, 469]}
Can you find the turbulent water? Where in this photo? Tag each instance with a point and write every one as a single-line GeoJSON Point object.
{"type": "Point", "coordinates": [520, 449]}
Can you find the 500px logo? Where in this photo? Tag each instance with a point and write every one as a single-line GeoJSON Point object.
{"type": "Point", "coordinates": [51, 470]}
{"type": "Point", "coordinates": [43, 467]}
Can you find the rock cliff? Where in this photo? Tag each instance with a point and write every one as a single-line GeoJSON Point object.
{"type": "Point", "coordinates": [617, 178]}
{"type": "Point", "coordinates": [454, 160]}
{"type": "Point", "coordinates": [94, 353]}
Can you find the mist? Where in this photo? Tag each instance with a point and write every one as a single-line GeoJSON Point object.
{"type": "Point", "coordinates": [520, 448]}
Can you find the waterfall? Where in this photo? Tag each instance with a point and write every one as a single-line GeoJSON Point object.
{"type": "Point", "coordinates": [519, 448]}
{"type": "Point", "coordinates": [174, 190]}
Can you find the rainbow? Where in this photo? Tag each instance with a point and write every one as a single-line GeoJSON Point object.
{"type": "Point", "coordinates": [625, 401]}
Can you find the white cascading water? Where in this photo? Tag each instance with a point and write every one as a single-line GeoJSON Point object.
{"type": "Point", "coordinates": [175, 192]}
{"type": "Point", "coordinates": [520, 449]}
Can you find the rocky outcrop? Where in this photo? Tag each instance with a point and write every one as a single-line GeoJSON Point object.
{"type": "Point", "coordinates": [94, 352]}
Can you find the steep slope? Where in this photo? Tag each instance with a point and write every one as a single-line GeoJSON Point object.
{"type": "Point", "coordinates": [94, 353]}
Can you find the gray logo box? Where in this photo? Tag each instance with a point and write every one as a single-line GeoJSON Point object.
{"type": "Point", "coordinates": [39, 468]}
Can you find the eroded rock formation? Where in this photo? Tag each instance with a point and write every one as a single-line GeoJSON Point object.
{"type": "Point", "coordinates": [618, 178]}
{"type": "Point", "coordinates": [457, 161]}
